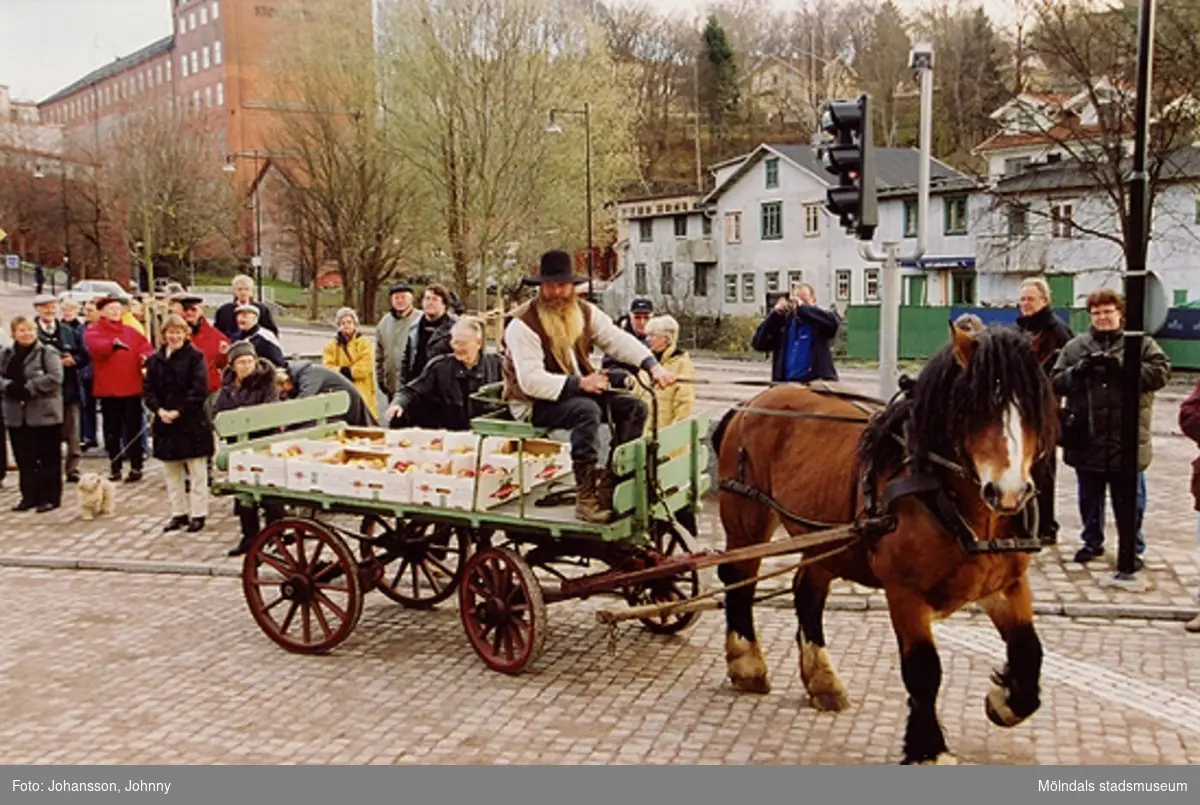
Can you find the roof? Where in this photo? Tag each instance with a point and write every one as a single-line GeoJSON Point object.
{"type": "Point", "coordinates": [115, 67]}
{"type": "Point", "coordinates": [1052, 135]}
{"type": "Point", "coordinates": [1072, 174]}
{"type": "Point", "coordinates": [897, 170]}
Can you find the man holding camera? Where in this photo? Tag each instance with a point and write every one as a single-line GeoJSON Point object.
{"type": "Point", "coordinates": [798, 333]}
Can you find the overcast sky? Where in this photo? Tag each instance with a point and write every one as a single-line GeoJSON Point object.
{"type": "Point", "coordinates": [51, 43]}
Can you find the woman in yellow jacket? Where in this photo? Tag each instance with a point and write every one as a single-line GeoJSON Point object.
{"type": "Point", "coordinates": [352, 355]}
{"type": "Point", "coordinates": [674, 402]}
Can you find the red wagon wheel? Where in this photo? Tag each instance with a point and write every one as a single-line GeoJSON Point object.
{"type": "Point", "coordinates": [500, 602]}
{"type": "Point", "coordinates": [670, 541]}
{"type": "Point", "coordinates": [429, 559]}
{"type": "Point", "coordinates": [302, 585]}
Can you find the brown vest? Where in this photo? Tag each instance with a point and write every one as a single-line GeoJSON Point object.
{"type": "Point", "coordinates": [527, 314]}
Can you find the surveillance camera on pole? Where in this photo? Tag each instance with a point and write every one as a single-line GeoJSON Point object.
{"type": "Point", "coordinates": [849, 155]}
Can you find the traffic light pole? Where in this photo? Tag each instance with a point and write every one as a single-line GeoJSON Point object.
{"type": "Point", "coordinates": [921, 60]}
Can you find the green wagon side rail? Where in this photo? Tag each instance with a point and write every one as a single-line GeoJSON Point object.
{"type": "Point", "coordinates": [677, 473]}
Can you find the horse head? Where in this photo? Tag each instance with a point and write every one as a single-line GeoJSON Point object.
{"type": "Point", "coordinates": [986, 401]}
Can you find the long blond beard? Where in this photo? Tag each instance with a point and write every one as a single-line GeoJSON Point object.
{"type": "Point", "coordinates": [564, 327]}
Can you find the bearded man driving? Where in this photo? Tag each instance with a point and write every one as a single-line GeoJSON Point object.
{"type": "Point", "coordinates": [548, 366]}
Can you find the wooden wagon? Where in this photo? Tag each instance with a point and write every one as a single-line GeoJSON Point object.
{"type": "Point", "coordinates": [304, 584]}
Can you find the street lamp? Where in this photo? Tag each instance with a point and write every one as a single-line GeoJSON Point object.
{"type": "Point", "coordinates": [553, 128]}
{"type": "Point", "coordinates": [256, 261]}
{"type": "Point", "coordinates": [66, 220]}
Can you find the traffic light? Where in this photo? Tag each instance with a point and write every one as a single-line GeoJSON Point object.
{"type": "Point", "coordinates": [850, 155]}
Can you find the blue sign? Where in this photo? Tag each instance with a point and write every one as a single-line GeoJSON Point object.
{"type": "Point", "coordinates": [940, 263]}
{"type": "Point", "coordinates": [1182, 323]}
{"type": "Point", "coordinates": [1004, 316]}
{"type": "Point", "coordinates": [12, 261]}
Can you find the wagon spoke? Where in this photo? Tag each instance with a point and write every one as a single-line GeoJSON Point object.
{"type": "Point", "coordinates": [517, 635]}
{"type": "Point", "coordinates": [319, 595]}
{"type": "Point", "coordinates": [416, 581]}
{"type": "Point", "coordinates": [508, 643]}
{"type": "Point", "coordinates": [306, 622]}
{"type": "Point", "coordinates": [273, 604]}
{"type": "Point", "coordinates": [288, 620]}
{"type": "Point", "coordinates": [272, 561]}
{"type": "Point", "coordinates": [497, 639]}
{"type": "Point", "coordinates": [441, 567]}
{"type": "Point", "coordinates": [316, 553]}
{"type": "Point", "coordinates": [399, 573]}
{"type": "Point", "coordinates": [301, 560]}
{"type": "Point", "coordinates": [333, 588]}
{"type": "Point", "coordinates": [437, 588]}
{"type": "Point", "coordinates": [284, 554]}
{"type": "Point", "coordinates": [321, 618]}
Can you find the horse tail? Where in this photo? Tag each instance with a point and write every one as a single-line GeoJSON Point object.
{"type": "Point", "coordinates": [719, 431]}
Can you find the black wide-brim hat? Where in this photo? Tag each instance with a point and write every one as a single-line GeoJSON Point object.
{"type": "Point", "coordinates": [555, 267]}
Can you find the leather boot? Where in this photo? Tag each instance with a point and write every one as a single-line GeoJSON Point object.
{"type": "Point", "coordinates": [587, 506]}
{"type": "Point", "coordinates": [606, 482]}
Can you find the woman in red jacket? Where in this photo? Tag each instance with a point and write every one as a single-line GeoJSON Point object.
{"type": "Point", "coordinates": [118, 352]}
{"type": "Point", "coordinates": [1189, 423]}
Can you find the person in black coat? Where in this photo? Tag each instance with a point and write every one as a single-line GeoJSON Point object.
{"type": "Point", "coordinates": [175, 390]}
{"type": "Point", "coordinates": [225, 318]}
{"type": "Point", "coordinates": [266, 345]}
{"type": "Point", "coordinates": [798, 333]}
{"type": "Point", "coordinates": [1050, 334]}
{"type": "Point", "coordinates": [307, 379]}
{"type": "Point", "coordinates": [442, 393]}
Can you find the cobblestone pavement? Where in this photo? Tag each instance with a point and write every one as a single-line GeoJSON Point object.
{"type": "Point", "coordinates": [106, 668]}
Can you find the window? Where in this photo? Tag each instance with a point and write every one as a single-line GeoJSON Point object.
{"type": "Point", "coordinates": [196, 99]}
{"type": "Point", "coordinates": [141, 83]}
{"type": "Point", "coordinates": [666, 279]}
{"type": "Point", "coordinates": [733, 227]}
{"type": "Point", "coordinates": [1015, 165]}
{"type": "Point", "coordinates": [216, 52]}
{"type": "Point", "coordinates": [639, 279]}
{"type": "Point", "coordinates": [956, 215]}
{"type": "Point", "coordinates": [911, 216]}
{"type": "Point", "coordinates": [681, 226]}
{"type": "Point", "coordinates": [700, 280]}
{"type": "Point", "coordinates": [793, 278]}
{"type": "Point", "coordinates": [842, 288]}
{"type": "Point", "coordinates": [1179, 297]}
{"type": "Point", "coordinates": [962, 289]}
{"type": "Point", "coordinates": [204, 58]}
{"type": "Point", "coordinates": [772, 220]}
{"type": "Point", "coordinates": [203, 16]}
{"type": "Point", "coordinates": [220, 93]}
{"type": "Point", "coordinates": [771, 167]}
{"type": "Point", "coordinates": [183, 71]}
{"type": "Point", "coordinates": [812, 220]}
{"type": "Point", "coordinates": [646, 230]}
{"type": "Point", "coordinates": [1018, 221]}
{"type": "Point", "coordinates": [216, 7]}
{"type": "Point", "coordinates": [747, 287]}
{"type": "Point", "coordinates": [192, 21]}
{"type": "Point", "coordinates": [871, 284]}
{"type": "Point", "coordinates": [706, 226]}
{"type": "Point", "coordinates": [158, 75]}
{"type": "Point", "coordinates": [168, 70]}
{"type": "Point", "coordinates": [195, 63]}
{"type": "Point", "coordinates": [1062, 218]}
{"type": "Point", "coordinates": [731, 288]}
{"type": "Point", "coordinates": [208, 97]}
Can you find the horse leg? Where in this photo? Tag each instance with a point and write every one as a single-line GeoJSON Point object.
{"type": "Point", "coordinates": [921, 669]}
{"type": "Point", "coordinates": [1014, 694]}
{"type": "Point", "coordinates": [825, 688]}
{"type": "Point", "coordinates": [743, 657]}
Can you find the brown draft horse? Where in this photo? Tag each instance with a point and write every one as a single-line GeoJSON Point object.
{"type": "Point", "coordinates": [977, 417]}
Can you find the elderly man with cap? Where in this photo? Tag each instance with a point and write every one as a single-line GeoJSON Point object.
{"type": "Point", "coordinates": [118, 352]}
{"type": "Point", "coordinates": [266, 345]}
{"type": "Point", "coordinates": [211, 342]}
{"type": "Point", "coordinates": [307, 379]}
{"type": "Point", "coordinates": [547, 368]}
{"type": "Point", "coordinates": [225, 319]}
{"type": "Point", "coordinates": [64, 338]}
{"type": "Point", "coordinates": [391, 337]}
{"type": "Point", "coordinates": [351, 355]}
{"type": "Point", "coordinates": [641, 310]}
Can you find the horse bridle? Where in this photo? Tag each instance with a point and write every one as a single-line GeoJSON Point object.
{"type": "Point", "coordinates": [921, 481]}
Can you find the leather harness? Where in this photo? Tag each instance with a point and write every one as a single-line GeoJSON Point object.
{"type": "Point", "coordinates": [918, 477]}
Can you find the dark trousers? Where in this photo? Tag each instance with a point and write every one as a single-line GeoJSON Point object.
{"type": "Point", "coordinates": [39, 463]}
{"type": "Point", "coordinates": [87, 415]}
{"type": "Point", "coordinates": [1044, 473]}
{"type": "Point", "coordinates": [1092, 486]}
{"type": "Point", "coordinates": [123, 422]}
{"type": "Point", "coordinates": [3, 447]}
{"type": "Point", "coordinates": [248, 516]}
{"type": "Point", "coordinates": [583, 414]}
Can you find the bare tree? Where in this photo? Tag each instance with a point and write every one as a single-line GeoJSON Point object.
{"type": "Point", "coordinates": [469, 85]}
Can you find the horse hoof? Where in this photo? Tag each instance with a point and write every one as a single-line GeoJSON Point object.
{"type": "Point", "coordinates": [829, 702]}
{"type": "Point", "coordinates": [995, 704]}
{"type": "Point", "coordinates": [747, 668]}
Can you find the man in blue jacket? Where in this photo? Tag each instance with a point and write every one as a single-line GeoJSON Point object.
{"type": "Point", "coordinates": [798, 333]}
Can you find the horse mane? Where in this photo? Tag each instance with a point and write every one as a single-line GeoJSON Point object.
{"type": "Point", "coordinates": [948, 401]}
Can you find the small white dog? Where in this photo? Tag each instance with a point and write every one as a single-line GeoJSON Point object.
{"type": "Point", "coordinates": [95, 496]}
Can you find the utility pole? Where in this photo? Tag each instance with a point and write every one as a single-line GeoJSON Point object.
{"type": "Point", "coordinates": [1125, 505]}
{"type": "Point", "coordinates": [921, 60]}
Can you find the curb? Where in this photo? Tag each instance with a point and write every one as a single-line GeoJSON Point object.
{"type": "Point", "coordinates": [838, 602]}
